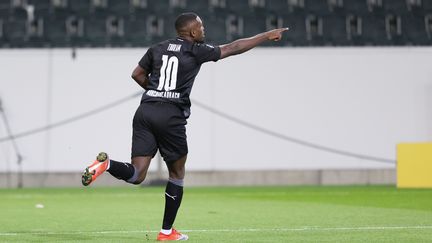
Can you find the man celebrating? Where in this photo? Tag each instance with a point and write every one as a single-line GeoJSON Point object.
{"type": "Point", "coordinates": [167, 72]}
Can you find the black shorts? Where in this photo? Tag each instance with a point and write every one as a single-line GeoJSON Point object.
{"type": "Point", "coordinates": [159, 125]}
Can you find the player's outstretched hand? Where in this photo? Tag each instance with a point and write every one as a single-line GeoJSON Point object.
{"type": "Point", "coordinates": [276, 34]}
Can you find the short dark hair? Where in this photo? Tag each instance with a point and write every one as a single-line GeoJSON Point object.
{"type": "Point", "coordinates": [184, 19]}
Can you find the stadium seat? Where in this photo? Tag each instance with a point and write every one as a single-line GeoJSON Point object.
{"type": "Point", "coordinates": [162, 6]}
{"type": "Point", "coordinates": [198, 6]}
{"type": "Point", "coordinates": [257, 7]}
{"type": "Point", "coordinates": [139, 9]}
{"type": "Point", "coordinates": [155, 26]}
{"type": "Point", "coordinates": [356, 7]}
{"type": "Point", "coordinates": [136, 32]}
{"type": "Point", "coordinates": [215, 29]}
{"type": "Point", "coordinates": [374, 31]}
{"type": "Point", "coordinates": [375, 6]}
{"type": "Point", "coordinates": [67, 31]}
{"type": "Point", "coordinates": [35, 32]}
{"type": "Point", "coordinates": [15, 27]}
{"type": "Point", "coordinates": [414, 5]}
{"type": "Point", "coordinates": [279, 7]}
{"type": "Point", "coordinates": [415, 30]}
{"type": "Point", "coordinates": [169, 26]}
{"type": "Point", "coordinates": [2, 34]}
{"type": "Point", "coordinates": [42, 8]}
{"type": "Point", "coordinates": [216, 7]}
{"type": "Point", "coordinates": [427, 5]}
{"type": "Point", "coordinates": [253, 25]}
{"type": "Point", "coordinates": [273, 21]}
{"type": "Point", "coordinates": [18, 14]}
{"type": "Point", "coordinates": [311, 22]}
{"type": "Point", "coordinates": [394, 29]}
{"type": "Point", "coordinates": [101, 4]}
{"type": "Point", "coordinates": [120, 8]}
{"type": "Point", "coordinates": [234, 27]}
{"type": "Point", "coordinates": [238, 6]}
{"type": "Point", "coordinates": [138, 4]}
{"type": "Point", "coordinates": [335, 30]}
{"type": "Point", "coordinates": [296, 6]}
{"type": "Point", "coordinates": [79, 7]}
{"type": "Point", "coordinates": [395, 6]}
{"type": "Point", "coordinates": [5, 4]}
{"type": "Point", "coordinates": [317, 7]}
{"type": "Point", "coordinates": [59, 6]}
{"type": "Point", "coordinates": [15, 31]}
{"type": "Point", "coordinates": [100, 9]}
{"type": "Point", "coordinates": [114, 26]}
{"type": "Point", "coordinates": [354, 29]}
{"type": "Point", "coordinates": [314, 29]}
{"type": "Point", "coordinates": [95, 31]}
{"type": "Point", "coordinates": [4, 11]}
{"type": "Point", "coordinates": [336, 6]}
{"type": "Point", "coordinates": [428, 26]}
{"type": "Point", "coordinates": [55, 31]}
{"type": "Point", "coordinates": [297, 30]}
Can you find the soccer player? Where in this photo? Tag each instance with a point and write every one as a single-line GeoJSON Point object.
{"type": "Point", "coordinates": [167, 72]}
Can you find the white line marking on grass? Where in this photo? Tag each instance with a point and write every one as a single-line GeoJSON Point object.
{"type": "Point", "coordinates": [304, 228]}
{"type": "Point", "coordinates": [315, 228]}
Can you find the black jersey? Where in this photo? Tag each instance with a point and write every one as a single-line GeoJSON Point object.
{"type": "Point", "coordinates": [173, 65]}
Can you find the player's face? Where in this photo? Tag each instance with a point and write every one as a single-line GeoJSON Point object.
{"type": "Point", "coordinates": [199, 30]}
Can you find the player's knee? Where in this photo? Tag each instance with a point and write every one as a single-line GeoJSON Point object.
{"type": "Point", "coordinates": [140, 178]}
{"type": "Point", "coordinates": [177, 174]}
{"type": "Point", "coordinates": [137, 182]}
{"type": "Point", "coordinates": [176, 168]}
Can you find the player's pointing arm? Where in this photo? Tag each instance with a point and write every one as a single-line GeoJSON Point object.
{"type": "Point", "coordinates": [243, 45]}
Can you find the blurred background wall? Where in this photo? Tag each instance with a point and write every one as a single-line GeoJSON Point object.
{"type": "Point", "coordinates": [330, 110]}
{"type": "Point", "coordinates": [354, 100]}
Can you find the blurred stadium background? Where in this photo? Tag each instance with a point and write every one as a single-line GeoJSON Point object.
{"type": "Point", "coordinates": [139, 23]}
{"type": "Point", "coordinates": [326, 105]}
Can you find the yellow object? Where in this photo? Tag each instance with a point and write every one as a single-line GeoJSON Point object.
{"type": "Point", "coordinates": [414, 165]}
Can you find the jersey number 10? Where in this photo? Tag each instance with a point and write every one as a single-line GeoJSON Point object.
{"type": "Point", "coordinates": [168, 73]}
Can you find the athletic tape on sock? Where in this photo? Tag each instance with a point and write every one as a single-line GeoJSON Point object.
{"type": "Point", "coordinates": [135, 175]}
{"type": "Point", "coordinates": [178, 182]}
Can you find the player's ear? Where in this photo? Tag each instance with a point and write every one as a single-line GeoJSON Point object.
{"type": "Point", "coordinates": [193, 33]}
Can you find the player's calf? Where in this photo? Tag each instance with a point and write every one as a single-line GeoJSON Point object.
{"type": "Point", "coordinates": [122, 171]}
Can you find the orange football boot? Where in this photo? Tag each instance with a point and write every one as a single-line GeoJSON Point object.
{"type": "Point", "coordinates": [175, 235]}
{"type": "Point", "coordinates": [98, 167]}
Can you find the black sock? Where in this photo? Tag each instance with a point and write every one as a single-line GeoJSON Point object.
{"type": "Point", "coordinates": [120, 170]}
{"type": "Point", "coordinates": [173, 198]}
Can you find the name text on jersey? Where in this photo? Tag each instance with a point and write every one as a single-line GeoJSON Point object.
{"type": "Point", "coordinates": [174, 47]}
{"type": "Point", "coordinates": [166, 94]}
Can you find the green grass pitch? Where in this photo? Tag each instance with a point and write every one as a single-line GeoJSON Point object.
{"type": "Point", "coordinates": [239, 214]}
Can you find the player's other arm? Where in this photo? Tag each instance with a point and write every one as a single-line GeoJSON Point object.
{"type": "Point", "coordinates": [243, 45]}
{"type": "Point", "coordinates": [140, 75]}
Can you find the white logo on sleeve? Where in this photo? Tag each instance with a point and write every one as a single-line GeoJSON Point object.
{"type": "Point", "coordinates": [209, 46]}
